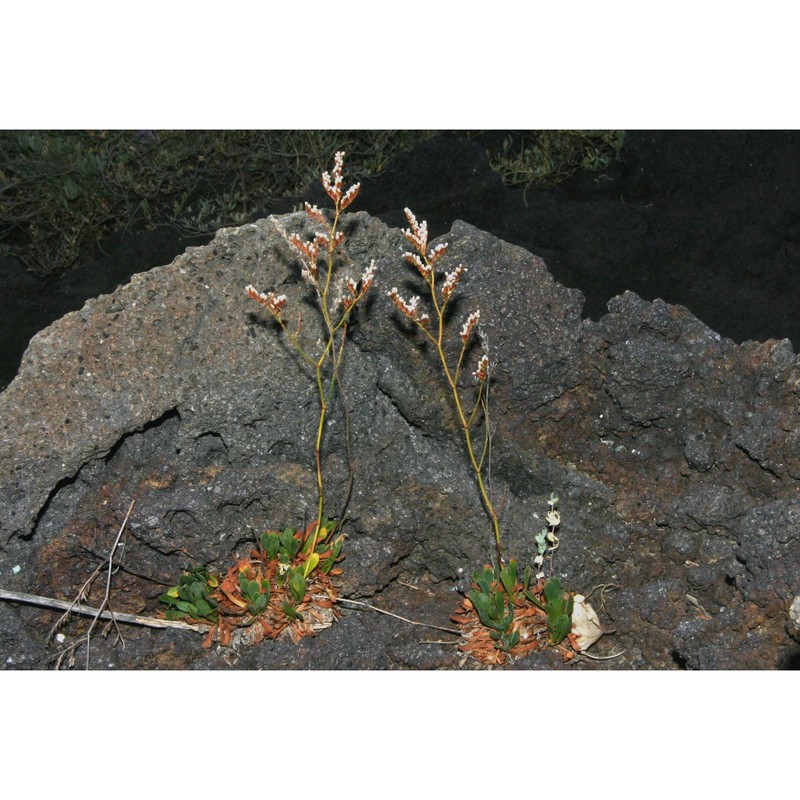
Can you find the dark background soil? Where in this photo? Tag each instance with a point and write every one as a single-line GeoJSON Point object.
{"type": "Point", "coordinates": [705, 219]}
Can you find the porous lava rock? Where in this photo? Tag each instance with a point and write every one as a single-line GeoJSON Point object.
{"type": "Point", "coordinates": [674, 453]}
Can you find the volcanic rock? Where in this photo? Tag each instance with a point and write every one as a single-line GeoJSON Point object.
{"type": "Point", "coordinates": [673, 451]}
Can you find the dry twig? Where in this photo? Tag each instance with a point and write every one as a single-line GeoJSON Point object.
{"type": "Point", "coordinates": [103, 611]}
{"type": "Point", "coordinates": [90, 611]}
{"type": "Point", "coordinates": [602, 658]}
{"type": "Point", "coordinates": [397, 616]}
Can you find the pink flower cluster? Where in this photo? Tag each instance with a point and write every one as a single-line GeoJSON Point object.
{"type": "Point", "coordinates": [324, 243]}
{"type": "Point", "coordinates": [311, 251]}
{"type": "Point", "coordinates": [417, 234]}
{"type": "Point", "coordinates": [334, 186]}
{"type": "Point", "coordinates": [409, 308]}
{"type": "Point", "coordinates": [472, 321]}
{"type": "Point", "coordinates": [352, 286]}
{"type": "Point", "coordinates": [451, 281]}
{"type": "Point", "coordinates": [274, 303]}
{"type": "Point", "coordinates": [482, 372]}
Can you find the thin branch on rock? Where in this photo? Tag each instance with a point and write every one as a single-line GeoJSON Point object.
{"type": "Point", "coordinates": [90, 611]}
{"type": "Point", "coordinates": [602, 658]}
{"type": "Point", "coordinates": [82, 595]}
{"type": "Point", "coordinates": [397, 616]}
{"type": "Point", "coordinates": [103, 611]}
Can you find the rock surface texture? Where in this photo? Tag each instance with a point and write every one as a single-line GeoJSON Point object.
{"type": "Point", "coordinates": [675, 454]}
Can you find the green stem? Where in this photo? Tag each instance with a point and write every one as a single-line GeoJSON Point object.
{"type": "Point", "coordinates": [452, 380]}
{"type": "Point", "coordinates": [330, 348]}
{"type": "Point", "coordinates": [475, 465]}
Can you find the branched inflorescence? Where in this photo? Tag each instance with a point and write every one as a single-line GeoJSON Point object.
{"type": "Point", "coordinates": [502, 615]}
{"type": "Point", "coordinates": [318, 261]}
{"type": "Point", "coordinates": [441, 292]}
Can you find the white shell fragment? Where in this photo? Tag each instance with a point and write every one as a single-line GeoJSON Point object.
{"type": "Point", "coordinates": [586, 625]}
{"type": "Point", "coordinates": [794, 614]}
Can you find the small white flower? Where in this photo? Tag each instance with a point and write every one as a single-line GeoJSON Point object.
{"type": "Point", "coordinates": [437, 252]}
{"type": "Point", "coordinates": [472, 320]}
{"type": "Point", "coordinates": [414, 259]}
{"type": "Point", "coordinates": [368, 276]}
{"type": "Point", "coordinates": [309, 274]}
{"type": "Point", "coordinates": [274, 303]}
{"type": "Point", "coordinates": [251, 290]}
{"type": "Point", "coordinates": [418, 233]}
{"type": "Point", "coordinates": [410, 216]}
{"type": "Point", "coordinates": [408, 307]}
{"type": "Point", "coordinates": [482, 372]}
{"type": "Point", "coordinates": [350, 194]}
{"type": "Point", "coordinates": [314, 213]}
{"type": "Point", "coordinates": [451, 280]}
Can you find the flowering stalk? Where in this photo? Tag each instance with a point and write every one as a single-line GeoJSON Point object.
{"type": "Point", "coordinates": [318, 259]}
{"type": "Point", "coordinates": [424, 261]}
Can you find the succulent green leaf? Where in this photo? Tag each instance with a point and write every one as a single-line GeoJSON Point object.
{"type": "Point", "coordinates": [259, 604]}
{"type": "Point", "coordinates": [497, 604]}
{"type": "Point", "coordinates": [483, 607]}
{"type": "Point", "coordinates": [508, 577]}
{"type": "Point", "coordinates": [491, 609]}
{"type": "Point", "coordinates": [291, 611]}
{"type": "Point", "coordinates": [534, 599]}
{"type": "Point", "coordinates": [169, 598]}
{"type": "Point", "coordinates": [553, 591]}
{"type": "Point", "coordinates": [271, 543]}
{"type": "Point", "coordinates": [244, 584]}
{"type": "Point", "coordinates": [484, 577]}
{"type": "Point", "coordinates": [559, 627]}
{"type": "Point", "coordinates": [310, 565]}
{"type": "Point", "coordinates": [204, 608]}
{"type": "Point", "coordinates": [289, 543]}
{"type": "Point", "coordinates": [197, 592]}
{"type": "Point", "coordinates": [297, 584]}
{"type": "Point", "coordinates": [185, 592]}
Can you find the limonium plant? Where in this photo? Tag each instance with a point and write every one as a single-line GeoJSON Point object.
{"type": "Point", "coordinates": [318, 258]}
{"type": "Point", "coordinates": [284, 583]}
{"type": "Point", "coordinates": [424, 261]}
{"type": "Point", "coordinates": [506, 613]}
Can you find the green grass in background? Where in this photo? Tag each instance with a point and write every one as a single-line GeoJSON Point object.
{"type": "Point", "coordinates": [62, 193]}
